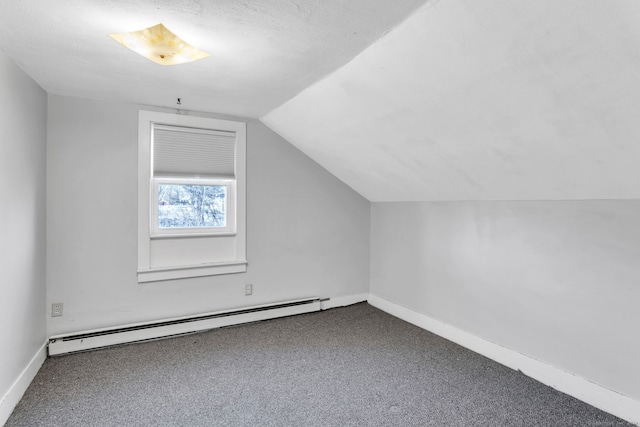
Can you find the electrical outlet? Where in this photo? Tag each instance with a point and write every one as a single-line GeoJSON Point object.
{"type": "Point", "coordinates": [56, 309]}
{"type": "Point", "coordinates": [248, 289]}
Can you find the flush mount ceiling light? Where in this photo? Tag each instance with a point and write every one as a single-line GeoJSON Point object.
{"type": "Point", "coordinates": [160, 45]}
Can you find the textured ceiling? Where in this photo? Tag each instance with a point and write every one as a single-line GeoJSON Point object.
{"type": "Point", "coordinates": [484, 100]}
{"type": "Point", "coordinates": [263, 52]}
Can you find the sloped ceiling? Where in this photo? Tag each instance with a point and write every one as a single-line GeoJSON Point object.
{"type": "Point", "coordinates": [262, 52]}
{"type": "Point", "coordinates": [483, 100]}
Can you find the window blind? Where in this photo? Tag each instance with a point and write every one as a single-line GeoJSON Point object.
{"type": "Point", "coordinates": [181, 151]}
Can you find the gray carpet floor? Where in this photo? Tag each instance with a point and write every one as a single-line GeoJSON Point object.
{"type": "Point", "coordinates": [352, 366]}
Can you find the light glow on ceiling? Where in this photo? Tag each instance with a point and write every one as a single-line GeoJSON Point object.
{"type": "Point", "coordinates": [160, 45]}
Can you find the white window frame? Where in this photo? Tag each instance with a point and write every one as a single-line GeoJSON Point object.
{"type": "Point", "coordinates": [191, 254]}
{"type": "Point", "coordinates": [157, 232]}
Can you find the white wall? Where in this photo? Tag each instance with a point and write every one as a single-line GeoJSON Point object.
{"type": "Point", "coordinates": [556, 281]}
{"type": "Point", "coordinates": [22, 223]}
{"type": "Point", "coordinates": [308, 233]}
{"type": "Point", "coordinates": [490, 100]}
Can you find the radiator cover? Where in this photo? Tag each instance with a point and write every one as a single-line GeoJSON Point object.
{"type": "Point", "coordinates": [63, 344]}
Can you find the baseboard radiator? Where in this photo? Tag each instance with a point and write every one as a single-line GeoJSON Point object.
{"type": "Point", "coordinates": [62, 344]}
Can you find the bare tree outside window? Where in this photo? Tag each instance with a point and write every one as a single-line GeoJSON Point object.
{"type": "Point", "coordinates": [192, 206]}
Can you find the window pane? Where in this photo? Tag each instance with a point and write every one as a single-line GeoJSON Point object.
{"type": "Point", "coordinates": [192, 206]}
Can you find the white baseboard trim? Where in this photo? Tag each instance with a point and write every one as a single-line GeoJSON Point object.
{"type": "Point", "coordinates": [17, 389]}
{"type": "Point", "coordinates": [343, 301]}
{"type": "Point", "coordinates": [602, 398]}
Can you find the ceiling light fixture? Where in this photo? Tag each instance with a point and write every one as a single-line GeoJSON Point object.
{"type": "Point", "coordinates": [160, 45]}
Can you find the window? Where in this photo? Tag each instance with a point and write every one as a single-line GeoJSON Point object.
{"type": "Point", "coordinates": [193, 181]}
{"type": "Point", "coordinates": [191, 207]}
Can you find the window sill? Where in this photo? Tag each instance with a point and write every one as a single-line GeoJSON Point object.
{"type": "Point", "coordinates": [183, 235]}
{"type": "Point", "coordinates": [182, 272]}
